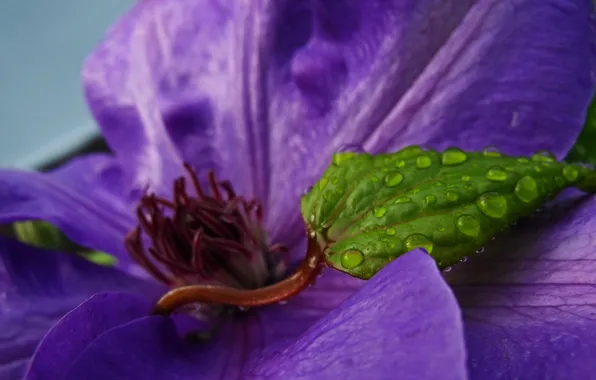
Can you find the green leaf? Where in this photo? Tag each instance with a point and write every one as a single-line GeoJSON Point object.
{"type": "Point", "coordinates": [44, 235]}
{"type": "Point", "coordinates": [367, 210]}
{"type": "Point", "coordinates": [584, 149]}
{"type": "Point", "coordinates": [41, 234]}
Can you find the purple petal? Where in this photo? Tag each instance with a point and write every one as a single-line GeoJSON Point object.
{"type": "Point", "coordinates": [437, 73]}
{"type": "Point", "coordinates": [87, 199]}
{"type": "Point", "coordinates": [37, 288]}
{"type": "Point", "coordinates": [403, 324]}
{"type": "Point", "coordinates": [265, 91]}
{"type": "Point", "coordinates": [55, 354]}
{"type": "Point", "coordinates": [530, 302]}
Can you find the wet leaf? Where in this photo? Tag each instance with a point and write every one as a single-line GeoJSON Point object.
{"type": "Point", "coordinates": [367, 210]}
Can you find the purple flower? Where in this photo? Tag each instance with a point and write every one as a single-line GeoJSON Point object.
{"type": "Point", "coordinates": [263, 92]}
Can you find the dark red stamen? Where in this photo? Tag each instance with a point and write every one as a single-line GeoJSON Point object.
{"type": "Point", "coordinates": [211, 246]}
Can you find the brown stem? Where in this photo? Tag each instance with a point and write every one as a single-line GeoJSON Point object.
{"type": "Point", "coordinates": [306, 273]}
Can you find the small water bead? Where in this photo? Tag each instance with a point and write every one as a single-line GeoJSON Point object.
{"type": "Point", "coordinates": [390, 231]}
{"type": "Point", "coordinates": [480, 250]}
{"type": "Point", "coordinates": [468, 225]}
{"type": "Point", "coordinates": [334, 180]}
{"type": "Point", "coordinates": [522, 160]}
{"type": "Point", "coordinates": [394, 179]}
{"type": "Point", "coordinates": [451, 196]}
{"type": "Point", "coordinates": [419, 241]}
{"type": "Point", "coordinates": [465, 259]}
{"type": "Point", "coordinates": [537, 169]}
{"type": "Point", "coordinates": [308, 190]}
{"type": "Point", "coordinates": [469, 186]}
{"type": "Point", "coordinates": [403, 200]}
{"type": "Point", "coordinates": [374, 179]}
{"type": "Point", "coordinates": [496, 174]}
{"type": "Point", "coordinates": [526, 189]}
{"type": "Point", "coordinates": [430, 199]}
{"type": "Point", "coordinates": [339, 158]}
{"type": "Point", "coordinates": [351, 258]}
{"type": "Point", "coordinates": [400, 164]}
{"type": "Point", "coordinates": [493, 205]}
{"type": "Point", "coordinates": [439, 184]}
{"type": "Point", "coordinates": [571, 173]}
{"type": "Point", "coordinates": [423, 162]}
{"type": "Point", "coordinates": [453, 156]}
{"type": "Point", "coordinates": [544, 156]}
{"type": "Point", "coordinates": [283, 302]}
{"type": "Point", "coordinates": [448, 269]}
{"type": "Point", "coordinates": [410, 152]}
{"type": "Point", "coordinates": [465, 178]}
{"type": "Point", "coordinates": [323, 183]}
{"type": "Point", "coordinates": [491, 151]}
{"type": "Point", "coordinates": [379, 211]}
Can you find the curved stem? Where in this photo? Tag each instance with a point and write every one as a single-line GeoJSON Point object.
{"type": "Point", "coordinates": [306, 273]}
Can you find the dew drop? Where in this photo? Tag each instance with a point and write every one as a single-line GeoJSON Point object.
{"type": "Point", "coordinates": [351, 258]}
{"type": "Point", "coordinates": [448, 269]}
{"type": "Point", "coordinates": [410, 151]}
{"type": "Point", "coordinates": [374, 179]}
{"type": "Point", "coordinates": [468, 225]}
{"type": "Point", "coordinates": [464, 259]}
{"type": "Point", "coordinates": [430, 199]}
{"type": "Point", "coordinates": [526, 189]}
{"type": "Point", "coordinates": [571, 173]}
{"type": "Point", "coordinates": [394, 179]}
{"type": "Point", "coordinates": [493, 205]}
{"type": "Point", "coordinates": [544, 157]}
{"type": "Point", "coordinates": [400, 164]}
{"type": "Point", "coordinates": [491, 151]}
{"type": "Point", "coordinates": [439, 184]}
{"type": "Point", "coordinates": [339, 158]}
{"type": "Point", "coordinates": [334, 180]}
{"type": "Point", "coordinates": [522, 160]}
{"type": "Point", "coordinates": [308, 190]}
{"type": "Point", "coordinates": [480, 250]}
{"type": "Point", "coordinates": [465, 178]}
{"type": "Point", "coordinates": [323, 183]}
{"type": "Point", "coordinates": [451, 196]}
{"type": "Point", "coordinates": [390, 231]}
{"type": "Point", "coordinates": [469, 186]}
{"type": "Point", "coordinates": [379, 211]}
{"type": "Point", "coordinates": [423, 162]}
{"type": "Point", "coordinates": [403, 200]}
{"type": "Point", "coordinates": [453, 156]}
{"type": "Point", "coordinates": [419, 241]}
{"type": "Point", "coordinates": [497, 174]}
{"type": "Point", "coordinates": [283, 302]}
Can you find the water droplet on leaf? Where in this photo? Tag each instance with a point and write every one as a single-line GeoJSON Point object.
{"type": "Point", "coordinates": [453, 156]}
{"type": "Point", "coordinates": [571, 173]}
{"type": "Point", "coordinates": [526, 189]}
{"type": "Point", "coordinates": [497, 174]}
{"type": "Point", "coordinates": [390, 231]}
{"type": "Point", "coordinates": [465, 178]}
{"type": "Point", "coordinates": [430, 199]}
{"type": "Point", "coordinates": [403, 200]}
{"type": "Point", "coordinates": [400, 164]}
{"type": "Point", "coordinates": [493, 205]}
{"type": "Point", "coordinates": [451, 196]}
{"type": "Point", "coordinates": [379, 211]}
{"type": "Point", "coordinates": [423, 162]}
{"type": "Point", "coordinates": [468, 225]}
{"type": "Point", "coordinates": [419, 241]}
{"type": "Point", "coordinates": [491, 151]}
{"type": "Point", "coordinates": [544, 157]}
{"type": "Point", "coordinates": [351, 258]}
{"type": "Point", "coordinates": [394, 179]}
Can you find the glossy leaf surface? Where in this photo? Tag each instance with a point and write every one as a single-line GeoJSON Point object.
{"type": "Point", "coordinates": [367, 210]}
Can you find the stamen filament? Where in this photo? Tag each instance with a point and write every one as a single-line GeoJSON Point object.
{"type": "Point", "coordinates": [306, 273]}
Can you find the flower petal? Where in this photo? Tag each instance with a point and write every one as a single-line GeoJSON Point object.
{"type": "Point", "coordinates": [437, 73]}
{"type": "Point", "coordinates": [403, 324]}
{"type": "Point", "coordinates": [529, 302]}
{"type": "Point", "coordinates": [37, 288]}
{"type": "Point", "coordinates": [86, 199]}
{"type": "Point", "coordinates": [55, 355]}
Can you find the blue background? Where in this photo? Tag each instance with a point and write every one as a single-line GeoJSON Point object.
{"type": "Point", "coordinates": [42, 46]}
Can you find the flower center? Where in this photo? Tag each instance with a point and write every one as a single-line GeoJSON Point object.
{"type": "Point", "coordinates": [211, 248]}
